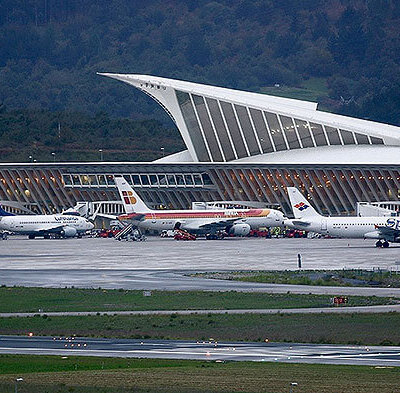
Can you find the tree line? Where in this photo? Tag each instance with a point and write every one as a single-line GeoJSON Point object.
{"type": "Point", "coordinates": [29, 135]}
{"type": "Point", "coordinates": [52, 49]}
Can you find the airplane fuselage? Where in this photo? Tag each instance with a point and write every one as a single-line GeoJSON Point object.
{"type": "Point", "coordinates": [350, 227]}
{"type": "Point", "coordinates": [43, 223]}
{"type": "Point", "coordinates": [192, 219]}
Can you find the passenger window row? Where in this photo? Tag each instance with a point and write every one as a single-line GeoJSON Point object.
{"type": "Point", "coordinates": [175, 180]}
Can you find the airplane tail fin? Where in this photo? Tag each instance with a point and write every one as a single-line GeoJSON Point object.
{"type": "Point", "coordinates": [131, 200]}
{"type": "Point", "coordinates": [4, 213]}
{"type": "Point", "coordinates": [300, 206]}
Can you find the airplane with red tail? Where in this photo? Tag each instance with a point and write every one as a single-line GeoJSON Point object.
{"type": "Point", "coordinates": [211, 223]}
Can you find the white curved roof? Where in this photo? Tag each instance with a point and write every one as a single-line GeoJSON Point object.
{"type": "Point", "coordinates": [223, 93]}
{"type": "Point", "coordinates": [287, 106]}
{"type": "Point", "coordinates": [336, 155]}
{"type": "Point", "coordinates": [225, 125]}
{"type": "Point", "coordinates": [182, 156]}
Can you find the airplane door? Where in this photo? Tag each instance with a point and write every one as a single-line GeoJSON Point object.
{"type": "Point", "coordinates": [324, 225]}
{"type": "Point", "coordinates": [153, 218]}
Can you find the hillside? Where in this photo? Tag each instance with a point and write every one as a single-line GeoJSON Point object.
{"type": "Point", "coordinates": [75, 136]}
{"type": "Point", "coordinates": [344, 54]}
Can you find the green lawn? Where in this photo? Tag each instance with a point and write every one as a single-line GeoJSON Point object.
{"type": "Point", "coordinates": [339, 278]}
{"type": "Point", "coordinates": [369, 329]}
{"type": "Point", "coordinates": [19, 299]}
{"type": "Point", "coordinates": [93, 375]}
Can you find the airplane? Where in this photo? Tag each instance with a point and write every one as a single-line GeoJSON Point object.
{"type": "Point", "coordinates": [58, 225]}
{"type": "Point", "coordinates": [212, 223]}
{"type": "Point", "coordinates": [384, 229]}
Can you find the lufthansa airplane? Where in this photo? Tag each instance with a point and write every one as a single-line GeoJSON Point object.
{"type": "Point", "coordinates": [44, 225]}
{"type": "Point", "coordinates": [207, 222]}
{"type": "Point", "coordinates": [384, 229]}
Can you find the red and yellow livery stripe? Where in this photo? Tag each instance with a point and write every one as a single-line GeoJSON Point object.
{"type": "Point", "coordinates": [217, 214]}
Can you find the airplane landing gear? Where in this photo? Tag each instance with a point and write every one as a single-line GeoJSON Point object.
{"type": "Point", "coordinates": [215, 236]}
{"type": "Point", "coordinates": [380, 243]}
{"type": "Point", "coordinates": [31, 236]}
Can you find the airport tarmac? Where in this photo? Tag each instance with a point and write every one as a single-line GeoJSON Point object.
{"type": "Point", "coordinates": [166, 253]}
{"type": "Point", "coordinates": [164, 264]}
{"type": "Point", "coordinates": [232, 351]}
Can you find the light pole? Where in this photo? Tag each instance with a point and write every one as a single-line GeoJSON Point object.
{"type": "Point", "coordinates": [30, 158]}
{"type": "Point", "coordinates": [101, 154]}
{"type": "Point", "coordinates": [54, 156]}
{"type": "Point", "coordinates": [162, 149]}
{"type": "Point", "coordinates": [16, 383]}
{"type": "Point", "coordinates": [292, 385]}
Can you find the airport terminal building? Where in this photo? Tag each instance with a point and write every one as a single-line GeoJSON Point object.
{"type": "Point", "coordinates": [241, 146]}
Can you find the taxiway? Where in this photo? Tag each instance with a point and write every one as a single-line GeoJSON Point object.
{"type": "Point", "coordinates": [165, 264]}
{"type": "Point", "coordinates": [209, 350]}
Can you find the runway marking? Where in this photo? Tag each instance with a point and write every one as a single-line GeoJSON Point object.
{"type": "Point", "coordinates": [206, 352]}
{"type": "Point", "coordinates": [200, 350]}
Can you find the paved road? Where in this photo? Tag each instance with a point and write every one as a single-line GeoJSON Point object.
{"type": "Point", "coordinates": [319, 310]}
{"type": "Point", "coordinates": [237, 351]}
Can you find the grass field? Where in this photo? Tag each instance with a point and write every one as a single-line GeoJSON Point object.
{"type": "Point", "coordinates": [313, 89]}
{"type": "Point", "coordinates": [368, 329]}
{"type": "Point", "coordinates": [19, 299]}
{"type": "Point", "coordinates": [343, 278]}
{"type": "Point", "coordinates": [87, 375]}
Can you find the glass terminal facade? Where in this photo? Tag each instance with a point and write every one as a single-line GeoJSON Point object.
{"type": "Point", "coordinates": [333, 189]}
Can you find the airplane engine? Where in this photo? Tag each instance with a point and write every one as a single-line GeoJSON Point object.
{"type": "Point", "coordinates": [239, 229]}
{"type": "Point", "coordinates": [372, 235]}
{"type": "Point", "coordinates": [68, 232]}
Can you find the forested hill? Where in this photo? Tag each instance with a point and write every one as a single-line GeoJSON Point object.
{"type": "Point", "coordinates": [28, 135]}
{"type": "Point", "coordinates": [51, 49]}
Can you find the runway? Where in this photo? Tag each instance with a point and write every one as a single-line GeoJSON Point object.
{"type": "Point", "coordinates": [163, 264]}
{"type": "Point", "coordinates": [210, 350]}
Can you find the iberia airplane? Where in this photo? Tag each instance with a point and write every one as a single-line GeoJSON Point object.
{"type": "Point", "coordinates": [383, 229]}
{"type": "Point", "coordinates": [207, 222]}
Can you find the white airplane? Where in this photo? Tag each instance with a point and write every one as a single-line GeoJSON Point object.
{"type": "Point", "coordinates": [58, 225]}
{"type": "Point", "coordinates": [207, 222]}
{"type": "Point", "coordinates": [384, 229]}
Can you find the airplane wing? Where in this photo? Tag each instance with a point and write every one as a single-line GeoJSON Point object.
{"type": "Point", "coordinates": [132, 217]}
{"type": "Point", "coordinates": [388, 232]}
{"type": "Point", "coordinates": [51, 229]}
{"type": "Point", "coordinates": [301, 223]}
{"type": "Point", "coordinates": [297, 223]}
{"type": "Point", "coordinates": [207, 224]}
{"type": "Point", "coordinates": [101, 215]}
